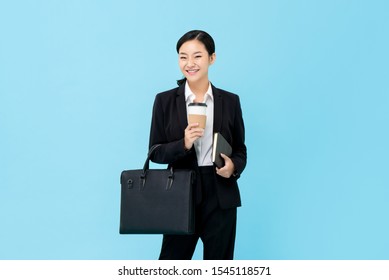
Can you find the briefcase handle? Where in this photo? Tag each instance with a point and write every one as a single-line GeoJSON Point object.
{"type": "Point", "coordinates": [146, 167]}
{"type": "Point", "coordinates": [151, 151]}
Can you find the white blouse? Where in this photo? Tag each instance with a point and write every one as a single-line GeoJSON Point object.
{"type": "Point", "coordinates": [203, 145]}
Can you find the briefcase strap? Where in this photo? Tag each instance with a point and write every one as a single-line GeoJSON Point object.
{"type": "Point", "coordinates": [146, 167]}
{"type": "Point", "coordinates": [152, 149]}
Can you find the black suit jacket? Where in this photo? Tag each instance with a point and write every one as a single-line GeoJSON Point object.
{"type": "Point", "coordinates": [169, 121]}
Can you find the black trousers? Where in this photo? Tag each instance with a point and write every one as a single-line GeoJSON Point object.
{"type": "Point", "coordinates": [214, 226]}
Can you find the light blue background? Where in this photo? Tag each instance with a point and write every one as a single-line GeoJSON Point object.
{"type": "Point", "coordinates": [77, 84]}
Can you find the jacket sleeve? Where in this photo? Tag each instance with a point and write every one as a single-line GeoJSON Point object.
{"type": "Point", "coordinates": [239, 150]}
{"type": "Point", "coordinates": [169, 151]}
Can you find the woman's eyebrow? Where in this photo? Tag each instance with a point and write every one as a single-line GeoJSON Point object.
{"type": "Point", "coordinates": [183, 53]}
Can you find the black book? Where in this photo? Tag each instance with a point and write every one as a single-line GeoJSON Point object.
{"type": "Point", "coordinates": [220, 146]}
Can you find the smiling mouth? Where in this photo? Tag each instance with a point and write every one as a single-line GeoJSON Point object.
{"type": "Point", "coordinates": [192, 71]}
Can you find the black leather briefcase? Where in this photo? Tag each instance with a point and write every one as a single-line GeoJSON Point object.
{"type": "Point", "coordinates": [157, 201]}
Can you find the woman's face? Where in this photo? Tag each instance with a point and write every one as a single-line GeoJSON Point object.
{"type": "Point", "coordinates": [194, 60]}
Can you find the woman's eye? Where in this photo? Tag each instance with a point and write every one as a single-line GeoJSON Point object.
{"type": "Point", "coordinates": [198, 56]}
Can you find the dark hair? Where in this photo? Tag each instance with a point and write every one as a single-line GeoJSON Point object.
{"type": "Point", "coordinates": [200, 35]}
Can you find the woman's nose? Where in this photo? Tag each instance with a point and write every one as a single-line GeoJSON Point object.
{"type": "Point", "coordinates": [190, 62]}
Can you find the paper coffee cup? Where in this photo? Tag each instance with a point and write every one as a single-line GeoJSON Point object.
{"type": "Point", "coordinates": [197, 113]}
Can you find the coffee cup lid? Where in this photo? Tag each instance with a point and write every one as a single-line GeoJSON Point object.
{"type": "Point", "coordinates": [197, 104]}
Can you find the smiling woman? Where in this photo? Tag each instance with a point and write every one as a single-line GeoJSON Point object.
{"type": "Point", "coordinates": [188, 146]}
{"type": "Point", "coordinates": [194, 61]}
{"type": "Point", "coordinates": [196, 51]}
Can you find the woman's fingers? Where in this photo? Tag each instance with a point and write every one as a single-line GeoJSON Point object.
{"type": "Point", "coordinates": [192, 132]}
{"type": "Point", "coordinates": [228, 168]}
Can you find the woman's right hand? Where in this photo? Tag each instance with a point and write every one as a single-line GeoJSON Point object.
{"type": "Point", "coordinates": [192, 133]}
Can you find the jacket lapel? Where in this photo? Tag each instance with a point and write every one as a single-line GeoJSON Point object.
{"type": "Point", "coordinates": [181, 107]}
{"type": "Point", "coordinates": [217, 109]}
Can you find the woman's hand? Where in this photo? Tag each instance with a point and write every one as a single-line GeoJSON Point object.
{"type": "Point", "coordinates": [228, 169]}
{"type": "Point", "coordinates": [192, 133]}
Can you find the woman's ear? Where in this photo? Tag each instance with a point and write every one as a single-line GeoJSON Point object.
{"type": "Point", "coordinates": [212, 58]}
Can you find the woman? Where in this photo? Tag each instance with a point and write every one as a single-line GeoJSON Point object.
{"type": "Point", "coordinates": [189, 146]}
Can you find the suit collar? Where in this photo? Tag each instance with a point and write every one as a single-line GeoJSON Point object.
{"type": "Point", "coordinates": [181, 106]}
{"type": "Point", "coordinates": [181, 90]}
